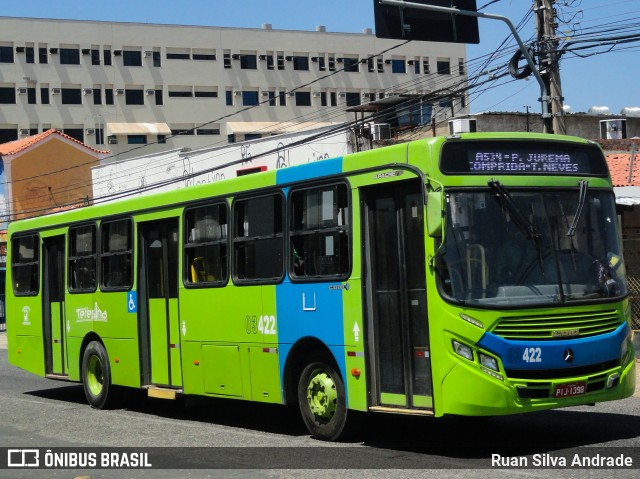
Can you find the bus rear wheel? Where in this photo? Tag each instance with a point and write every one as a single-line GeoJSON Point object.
{"type": "Point", "coordinates": [96, 376]}
{"type": "Point", "coordinates": [322, 401]}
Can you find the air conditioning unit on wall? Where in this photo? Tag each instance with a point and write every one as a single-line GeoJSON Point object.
{"type": "Point", "coordinates": [462, 125]}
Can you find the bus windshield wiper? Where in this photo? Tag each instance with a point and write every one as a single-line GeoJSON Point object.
{"type": "Point", "coordinates": [582, 199]}
{"type": "Point", "coordinates": [520, 220]}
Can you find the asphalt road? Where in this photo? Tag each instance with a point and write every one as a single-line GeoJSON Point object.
{"type": "Point", "coordinates": [35, 412]}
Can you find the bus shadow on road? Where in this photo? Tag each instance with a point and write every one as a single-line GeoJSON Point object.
{"type": "Point", "coordinates": [455, 437]}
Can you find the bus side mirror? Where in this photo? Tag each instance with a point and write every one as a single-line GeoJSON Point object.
{"type": "Point", "coordinates": [434, 213]}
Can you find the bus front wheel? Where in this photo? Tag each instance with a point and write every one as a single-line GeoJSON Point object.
{"type": "Point", "coordinates": [96, 376]}
{"type": "Point", "coordinates": [322, 401]}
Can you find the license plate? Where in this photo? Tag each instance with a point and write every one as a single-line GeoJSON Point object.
{"type": "Point", "coordinates": [570, 389]}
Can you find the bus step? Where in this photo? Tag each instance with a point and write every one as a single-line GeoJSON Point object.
{"type": "Point", "coordinates": [396, 410]}
{"type": "Point", "coordinates": [162, 393]}
{"type": "Point", "coordinates": [57, 377]}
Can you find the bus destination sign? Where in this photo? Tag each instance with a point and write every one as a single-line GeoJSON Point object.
{"type": "Point", "coordinates": [521, 158]}
{"type": "Point", "coordinates": [506, 161]}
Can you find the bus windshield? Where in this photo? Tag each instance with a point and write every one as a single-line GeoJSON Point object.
{"type": "Point", "coordinates": [523, 247]}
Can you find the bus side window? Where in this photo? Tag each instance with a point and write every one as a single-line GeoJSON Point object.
{"type": "Point", "coordinates": [116, 255]}
{"type": "Point", "coordinates": [25, 265]}
{"type": "Point", "coordinates": [82, 258]}
{"type": "Point", "coordinates": [205, 249]}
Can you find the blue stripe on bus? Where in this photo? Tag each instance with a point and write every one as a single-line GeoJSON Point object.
{"type": "Point", "coordinates": [551, 354]}
{"type": "Point", "coordinates": [310, 310]}
{"type": "Point", "coordinates": [310, 170]}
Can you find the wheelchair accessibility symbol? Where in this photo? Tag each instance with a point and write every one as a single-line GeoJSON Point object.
{"type": "Point", "coordinates": [132, 302]}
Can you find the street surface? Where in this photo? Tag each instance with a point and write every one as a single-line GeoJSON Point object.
{"type": "Point", "coordinates": [35, 412]}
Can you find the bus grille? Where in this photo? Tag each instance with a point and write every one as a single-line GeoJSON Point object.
{"type": "Point", "coordinates": [558, 326]}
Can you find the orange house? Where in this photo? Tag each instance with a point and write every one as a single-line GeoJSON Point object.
{"type": "Point", "coordinates": [47, 172]}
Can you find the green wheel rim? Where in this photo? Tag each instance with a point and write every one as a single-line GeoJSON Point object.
{"type": "Point", "coordinates": [322, 395]}
{"type": "Point", "coordinates": [94, 375]}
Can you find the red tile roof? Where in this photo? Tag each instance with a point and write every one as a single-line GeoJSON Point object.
{"type": "Point", "coordinates": [620, 165]}
{"type": "Point", "coordinates": [17, 146]}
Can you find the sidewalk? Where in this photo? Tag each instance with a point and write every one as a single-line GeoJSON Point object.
{"type": "Point", "coordinates": [3, 340]}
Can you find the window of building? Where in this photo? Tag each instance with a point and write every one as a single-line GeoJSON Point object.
{"type": "Point", "coordinates": [8, 134]}
{"type": "Point", "coordinates": [108, 96]}
{"type": "Point", "coordinates": [71, 96]}
{"type": "Point", "coordinates": [323, 98]}
{"type": "Point", "coordinates": [157, 59]}
{"type": "Point", "coordinates": [322, 64]}
{"type": "Point", "coordinates": [461, 66]}
{"type": "Point", "coordinates": [301, 63]}
{"type": "Point", "coordinates": [106, 54]}
{"type": "Point", "coordinates": [270, 63]}
{"type": "Point", "coordinates": [69, 56]}
{"type": "Point", "coordinates": [280, 59]}
{"type": "Point", "coordinates": [272, 98]}
{"type": "Point", "coordinates": [425, 66]}
{"type": "Point", "coordinates": [82, 258]}
{"type": "Point", "coordinates": [416, 66]}
{"type": "Point", "coordinates": [162, 139]}
{"type": "Point", "coordinates": [134, 96]}
{"type": "Point", "coordinates": [208, 131]}
{"type": "Point", "coordinates": [178, 54]}
{"type": "Point", "coordinates": [116, 271]}
{"type": "Point", "coordinates": [76, 133]}
{"type": "Point", "coordinates": [158, 96]}
{"type": "Point", "coordinates": [44, 95]}
{"type": "Point", "coordinates": [303, 98]}
{"type": "Point", "coordinates": [43, 55]}
{"type": "Point", "coordinates": [226, 58]}
{"type": "Point", "coordinates": [380, 64]}
{"type": "Point", "coordinates": [97, 95]}
{"type": "Point", "coordinates": [319, 234]}
{"type": "Point", "coordinates": [351, 64]}
{"type": "Point", "coordinates": [332, 64]}
{"type": "Point", "coordinates": [249, 98]}
{"type": "Point", "coordinates": [203, 54]}
{"type": "Point", "coordinates": [206, 245]}
{"type": "Point", "coordinates": [398, 66]}
{"type": "Point", "coordinates": [371, 65]}
{"type": "Point", "coordinates": [334, 98]}
{"type": "Point", "coordinates": [132, 58]}
{"type": "Point", "coordinates": [99, 136]}
{"type": "Point", "coordinates": [258, 239]}
{"type": "Point", "coordinates": [136, 139]}
{"type": "Point", "coordinates": [282, 97]}
{"type": "Point", "coordinates": [353, 98]}
{"type": "Point", "coordinates": [180, 92]}
{"type": "Point", "coordinates": [6, 54]}
{"type": "Point", "coordinates": [228, 94]}
{"type": "Point", "coordinates": [30, 55]}
{"type": "Point", "coordinates": [249, 62]}
{"type": "Point", "coordinates": [25, 265]}
{"type": "Point", "coordinates": [95, 56]}
{"type": "Point", "coordinates": [444, 67]}
{"type": "Point", "coordinates": [206, 92]}
{"type": "Point", "coordinates": [31, 95]}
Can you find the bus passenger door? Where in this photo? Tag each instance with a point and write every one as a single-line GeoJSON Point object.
{"type": "Point", "coordinates": [397, 330]}
{"type": "Point", "coordinates": [158, 300]}
{"type": "Point", "coordinates": [53, 285]}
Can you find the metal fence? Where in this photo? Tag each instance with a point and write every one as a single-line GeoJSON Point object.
{"type": "Point", "coordinates": [631, 247]}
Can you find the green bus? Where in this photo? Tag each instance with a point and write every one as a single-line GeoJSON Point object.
{"type": "Point", "coordinates": [473, 275]}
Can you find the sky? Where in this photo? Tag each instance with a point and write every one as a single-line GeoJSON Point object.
{"type": "Point", "coordinates": [609, 79]}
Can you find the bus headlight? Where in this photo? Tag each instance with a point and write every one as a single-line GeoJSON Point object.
{"type": "Point", "coordinates": [488, 362]}
{"type": "Point", "coordinates": [462, 350]}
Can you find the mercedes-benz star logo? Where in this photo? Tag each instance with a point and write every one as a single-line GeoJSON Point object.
{"type": "Point", "coordinates": [568, 355]}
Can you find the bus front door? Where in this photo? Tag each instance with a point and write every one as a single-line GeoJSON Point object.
{"type": "Point", "coordinates": [158, 302]}
{"type": "Point", "coordinates": [54, 331]}
{"type": "Point", "coordinates": [397, 330]}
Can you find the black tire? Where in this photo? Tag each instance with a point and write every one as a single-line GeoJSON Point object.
{"type": "Point", "coordinates": [96, 377]}
{"type": "Point", "coordinates": [322, 401]}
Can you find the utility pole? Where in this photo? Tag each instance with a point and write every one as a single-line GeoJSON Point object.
{"type": "Point", "coordinates": [549, 62]}
{"type": "Point", "coordinates": [528, 128]}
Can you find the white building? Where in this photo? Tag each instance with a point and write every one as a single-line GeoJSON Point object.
{"type": "Point", "coordinates": [127, 85]}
